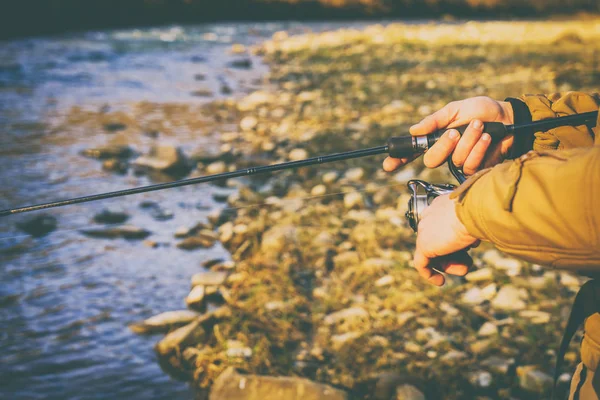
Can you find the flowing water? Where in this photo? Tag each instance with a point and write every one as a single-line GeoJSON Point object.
{"type": "Point", "coordinates": [66, 299]}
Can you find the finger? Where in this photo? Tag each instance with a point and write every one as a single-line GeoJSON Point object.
{"type": "Point", "coordinates": [441, 150]}
{"type": "Point", "coordinates": [456, 264]}
{"type": "Point", "coordinates": [391, 164]}
{"type": "Point", "coordinates": [438, 120]}
{"type": "Point", "coordinates": [477, 155]}
{"type": "Point", "coordinates": [421, 263]}
{"type": "Point", "coordinates": [467, 141]}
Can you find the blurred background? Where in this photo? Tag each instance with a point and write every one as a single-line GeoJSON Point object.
{"type": "Point", "coordinates": [304, 274]}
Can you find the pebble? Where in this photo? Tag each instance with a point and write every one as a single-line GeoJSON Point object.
{"type": "Point", "coordinates": [453, 356]}
{"type": "Point", "coordinates": [318, 190]}
{"type": "Point", "coordinates": [209, 278]}
{"type": "Point", "coordinates": [498, 365]}
{"type": "Point", "coordinates": [509, 298]}
{"type": "Point", "coordinates": [196, 297]}
{"type": "Point", "coordinates": [248, 123]}
{"type": "Point", "coordinates": [235, 348]}
{"type": "Point", "coordinates": [275, 239]}
{"type": "Point", "coordinates": [347, 315]}
{"type": "Point", "coordinates": [482, 379]}
{"type": "Point", "coordinates": [384, 281]}
{"type": "Point", "coordinates": [482, 274]}
{"type": "Point", "coordinates": [404, 317]}
{"type": "Point", "coordinates": [488, 329]}
{"type": "Point", "coordinates": [165, 321]}
{"type": "Point", "coordinates": [511, 266]}
{"type": "Point", "coordinates": [354, 174]}
{"type": "Point", "coordinates": [480, 346]}
{"type": "Point", "coordinates": [535, 317]}
{"type": "Point", "coordinates": [338, 341]}
{"type": "Point", "coordinates": [217, 167]}
{"type": "Point", "coordinates": [177, 338]}
{"type": "Point", "coordinates": [195, 242]}
{"type": "Point", "coordinates": [475, 295]}
{"type": "Point", "coordinates": [329, 177]}
{"type": "Point", "coordinates": [408, 392]}
{"type": "Point", "coordinates": [298, 154]}
{"type": "Point", "coordinates": [353, 200]}
{"type": "Point", "coordinates": [226, 232]}
{"type": "Point", "coordinates": [237, 48]}
{"type": "Point", "coordinates": [534, 380]}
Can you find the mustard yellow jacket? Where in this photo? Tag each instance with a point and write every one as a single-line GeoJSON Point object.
{"type": "Point", "coordinates": [544, 206]}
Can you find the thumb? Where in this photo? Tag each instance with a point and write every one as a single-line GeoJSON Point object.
{"type": "Point", "coordinates": [438, 120]}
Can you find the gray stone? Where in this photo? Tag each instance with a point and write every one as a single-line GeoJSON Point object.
{"type": "Point", "coordinates": [111, 217]}
{"type": "Point", "coordinates": [164, 158]}
{"type": "Point", "coordinates": [38, 226]}
{"type": "Point", "coordinates": [164, 321]}
{"type": "Point", "coordinates": [196, 297]}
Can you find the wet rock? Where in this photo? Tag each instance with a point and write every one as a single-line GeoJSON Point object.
{"type": "Point", "coordinates": [164, 158]}
{"type": "Point", "coordinates": [196, 297]}
{"type": "Point", "coordinates": [124, 231]}
{"type": "Point", "coordinates": [107, 216]}
{"type": "Point", "coordinates": [115, 165]}
{"type": "Point", "coordinates": [225, 89]}
{"type": "Point", "coordinates": [200, 77]}
{"type": "Point", "coordinates": [453, 356]}
{"type": "Point", "coordinates": [237, 48]}
{"type": "Point", "coordinates": [534, 380]}
{"type": "Point", "coordinates": [242, 63]}
{"type": "Point", "coordinates": [39, 225]}
{"type": "Point", "coordinates": [197, 242]}
{"type": "Point", "coordinates": [408, 392]}
{"type": "Point", "coordinates": [114, 127]}
{"type": "Point", "coordinates": [206, 155]}
{"type": "Point", "coordinates": [151, 243]}
{"type": "Point", "coordinates": [180, 338]}
{"type": "Point", "coordinates": [480, 346]}
{"type": "Point", "coordinates": [231, 385]}
{"type": "Point", "coordinates": [165, 321]}
{"type": "Point", "coordinates": [219, 217]}
{"type": "Point", "coordinates": [509, 298]}
{"type": "Point", "coordinates": [106, 152]}
{"type": "Point", "coordinates": [209, 278]}
{"type": "Point", "coordinates": [353, 200]}
{"type": "Point", "coordinates": [202, 93]}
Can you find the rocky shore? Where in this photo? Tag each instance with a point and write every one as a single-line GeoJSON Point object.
{"type": "Point", "coordinates": [320, 288]}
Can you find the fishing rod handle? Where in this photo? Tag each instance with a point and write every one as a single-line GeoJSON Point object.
{"type": "Point", "coordinates": [407, 146]}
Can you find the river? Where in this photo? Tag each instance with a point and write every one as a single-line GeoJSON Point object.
{"type": "Point", "coordinates": [66, 299]}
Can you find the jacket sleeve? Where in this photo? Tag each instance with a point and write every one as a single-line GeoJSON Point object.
{"type": "Point", "coordinates": [543, 207]}
{"type": "Point", "coordinates": [559, 105]}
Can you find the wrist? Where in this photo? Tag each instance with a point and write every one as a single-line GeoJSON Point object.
{"type": "Point", "coordinates": [508, 114]}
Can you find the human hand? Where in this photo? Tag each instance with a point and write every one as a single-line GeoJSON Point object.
{"type": "Point", "coordinates": [470, 150]}
{"type": "Point", "coordinates": [442, 241]}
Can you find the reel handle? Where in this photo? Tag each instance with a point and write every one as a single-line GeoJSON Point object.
{"type": "Point", "coordinates": [407, 146]}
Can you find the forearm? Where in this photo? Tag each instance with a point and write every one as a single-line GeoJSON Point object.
{"type": "Point", "coordinates": [543, 207]}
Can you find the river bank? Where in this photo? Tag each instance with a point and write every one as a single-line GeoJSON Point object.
{"type": "Point", "coordinates": [321, 284]}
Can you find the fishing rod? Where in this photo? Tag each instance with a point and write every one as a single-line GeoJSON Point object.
{"type": "Point", "coordinates": [397, 147]}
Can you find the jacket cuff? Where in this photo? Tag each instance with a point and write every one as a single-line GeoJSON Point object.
{"type": "Point", "coordinates": [523, 141]}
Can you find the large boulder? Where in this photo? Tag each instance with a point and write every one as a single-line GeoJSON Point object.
{"type": "Point", "coordinates": [231, 385]}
